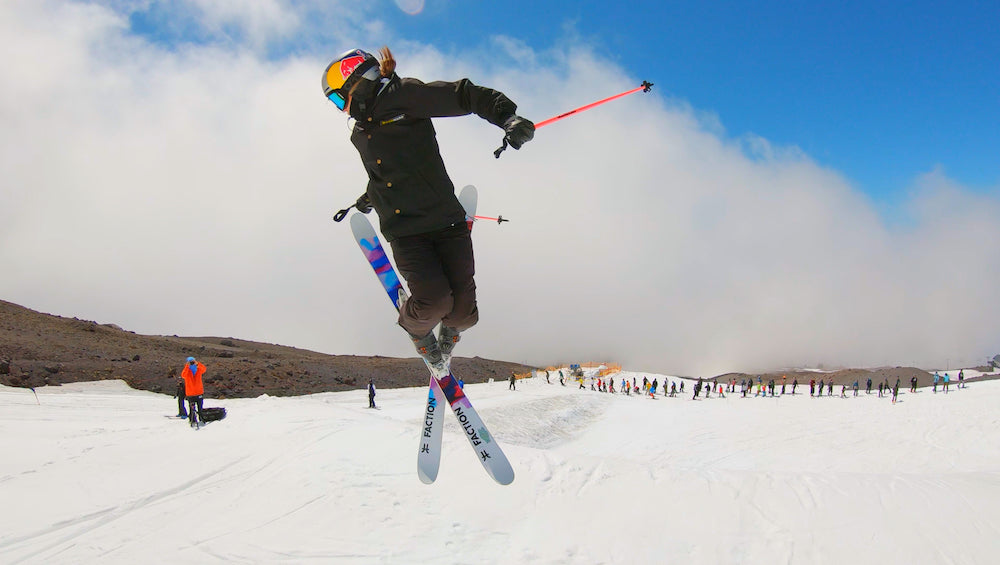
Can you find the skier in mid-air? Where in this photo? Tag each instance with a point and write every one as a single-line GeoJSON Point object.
{"type": "Point", "coordinates": [410, 190]}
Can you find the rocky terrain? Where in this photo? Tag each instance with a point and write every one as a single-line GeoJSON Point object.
{"type": "Point", "coordinates": [39, 349]}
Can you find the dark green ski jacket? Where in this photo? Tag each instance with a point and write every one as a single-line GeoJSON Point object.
{"type": "Point", "coordinates": [407, 181]}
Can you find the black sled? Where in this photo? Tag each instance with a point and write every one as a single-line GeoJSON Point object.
{"type": "Point", "coordinates": [212, 414]}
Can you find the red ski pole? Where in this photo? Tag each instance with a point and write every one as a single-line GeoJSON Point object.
{"type": "Point", "coordinates": [645, 87]}
{"type": "Point", "coordinates": [498, 219]}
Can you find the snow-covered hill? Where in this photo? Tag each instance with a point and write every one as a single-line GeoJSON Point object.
{"type": "Point", "coordinates": [97, 472]}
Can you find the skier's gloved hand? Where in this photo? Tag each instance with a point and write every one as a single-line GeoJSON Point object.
{"type": "Point", "coordinates": [518, 131]}
{"type": "Point", "coordinates": [364, 204]}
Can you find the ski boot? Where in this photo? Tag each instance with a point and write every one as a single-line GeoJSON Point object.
{"type": "Point", "coordinates": [428, 348]}
{"type": "Point", "coordinates": [447, 340]}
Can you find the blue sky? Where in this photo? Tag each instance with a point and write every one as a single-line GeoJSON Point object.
{"type": "Point", "coordinates": [881, 91]}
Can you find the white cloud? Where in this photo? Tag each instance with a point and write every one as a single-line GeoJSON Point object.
{"type": "Point", "coordinates": [189, 191]}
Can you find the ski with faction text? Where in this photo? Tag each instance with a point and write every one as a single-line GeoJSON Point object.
{"type": "Point", "coordinates": [429, 455]}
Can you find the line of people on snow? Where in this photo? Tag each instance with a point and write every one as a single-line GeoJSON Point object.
{"type": "Point", "coordinates": [759, 388]}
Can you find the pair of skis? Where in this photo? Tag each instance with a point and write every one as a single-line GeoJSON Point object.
{"type": "Point", "coordinates": [443, 385]}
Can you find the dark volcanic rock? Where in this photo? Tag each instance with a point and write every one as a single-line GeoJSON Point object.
{"type": "Point", "coordinates": [38, 349]}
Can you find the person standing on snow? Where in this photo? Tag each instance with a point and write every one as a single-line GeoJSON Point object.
{"type": "Point", "coordinates": [194, 387]}
{"type": "Point", "coordinates": [513, 382]}
{"type": "Point", "coordinates": [180, 394]}
{"type": "Point", "coordinates": [410, 190]}
{"type": "Point", "coordinates": [371, 393]}
{"type": "Point", "coordinates": [868, 388]}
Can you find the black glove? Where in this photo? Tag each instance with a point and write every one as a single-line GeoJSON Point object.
{"type": "Point", "coordinates": [364, 204]}
{"type": "Point", "coordinates": [519, 131]}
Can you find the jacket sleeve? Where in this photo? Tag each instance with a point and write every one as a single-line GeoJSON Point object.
{"type": "Point", "coordinates": [444, 99]}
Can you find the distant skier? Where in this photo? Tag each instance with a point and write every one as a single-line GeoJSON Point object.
{"type": "Point", "coordinates": [868, 388]}
{"type": "Point", "coordinates": [936, 379]}
{"type": "Point", "coordinates": [795, 383]}
{"type": "Point", "coordinates": [513, 381]}
{"type": "Point", "coordinates": [697, 390]}
{"type": "Point", "coordinates": [812, 387]}
{"type": "Point", "coordinates": [947, 381]}
{"type": "Point", "coordinates": [673, 389]}
{"type": "Point", "coordinates": [895, 392]}
{"type": "Point", "coordinates": [829, 391]}
{"type": "Point", "coordinates": [371, 393]}
{"type": "Point", "coordinates": [913, 383]}
{"type": "Point", "coordinates": [856, 387]}
{"type": "Point", "coordinates": [880, 390]}
{"type": "Point", "coordinates": [961, 378]}
{"type": "Point", "coordinates": [409, 188]}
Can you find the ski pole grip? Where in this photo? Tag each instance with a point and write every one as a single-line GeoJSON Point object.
{"type": "Point", "coordinates": [341, 214]}
{"type": "Point", "coordinates": [502, 148]}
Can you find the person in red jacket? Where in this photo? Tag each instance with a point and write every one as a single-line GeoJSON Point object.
{"type": "Point", "coordinates": [194, 387]}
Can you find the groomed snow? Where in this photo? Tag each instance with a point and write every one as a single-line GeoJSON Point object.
{"type": "Point", "coordinates": [98, 473]}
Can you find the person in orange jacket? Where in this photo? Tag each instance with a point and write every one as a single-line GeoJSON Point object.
{"type": "Point", "coordinates": [194, 387]}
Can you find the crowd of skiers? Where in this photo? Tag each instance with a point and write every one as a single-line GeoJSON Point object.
{"type": "Point", "coordinates": [754, 388]}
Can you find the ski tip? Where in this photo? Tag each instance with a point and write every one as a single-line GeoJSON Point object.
{"type": "Point", "coordinates": [504, 478]}
{"type": "Point", "coordinates": [425, 478]}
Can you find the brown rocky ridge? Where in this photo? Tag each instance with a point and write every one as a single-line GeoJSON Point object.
{"type": "Point", "coordinates": [39, 349]}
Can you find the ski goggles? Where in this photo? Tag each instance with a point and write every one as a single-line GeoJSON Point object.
{"type": "Point", "coordinates": [340, 95]}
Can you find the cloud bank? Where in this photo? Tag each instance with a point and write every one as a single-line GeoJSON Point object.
{"type": "Point", "coordinates": [187, 187]}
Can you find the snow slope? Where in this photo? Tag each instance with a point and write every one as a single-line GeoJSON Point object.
{"type": "Point", "coordinates": [96, 472]}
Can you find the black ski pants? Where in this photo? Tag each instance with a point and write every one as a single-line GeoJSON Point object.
{"type": "Point", "coordinates": [438, 268]}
